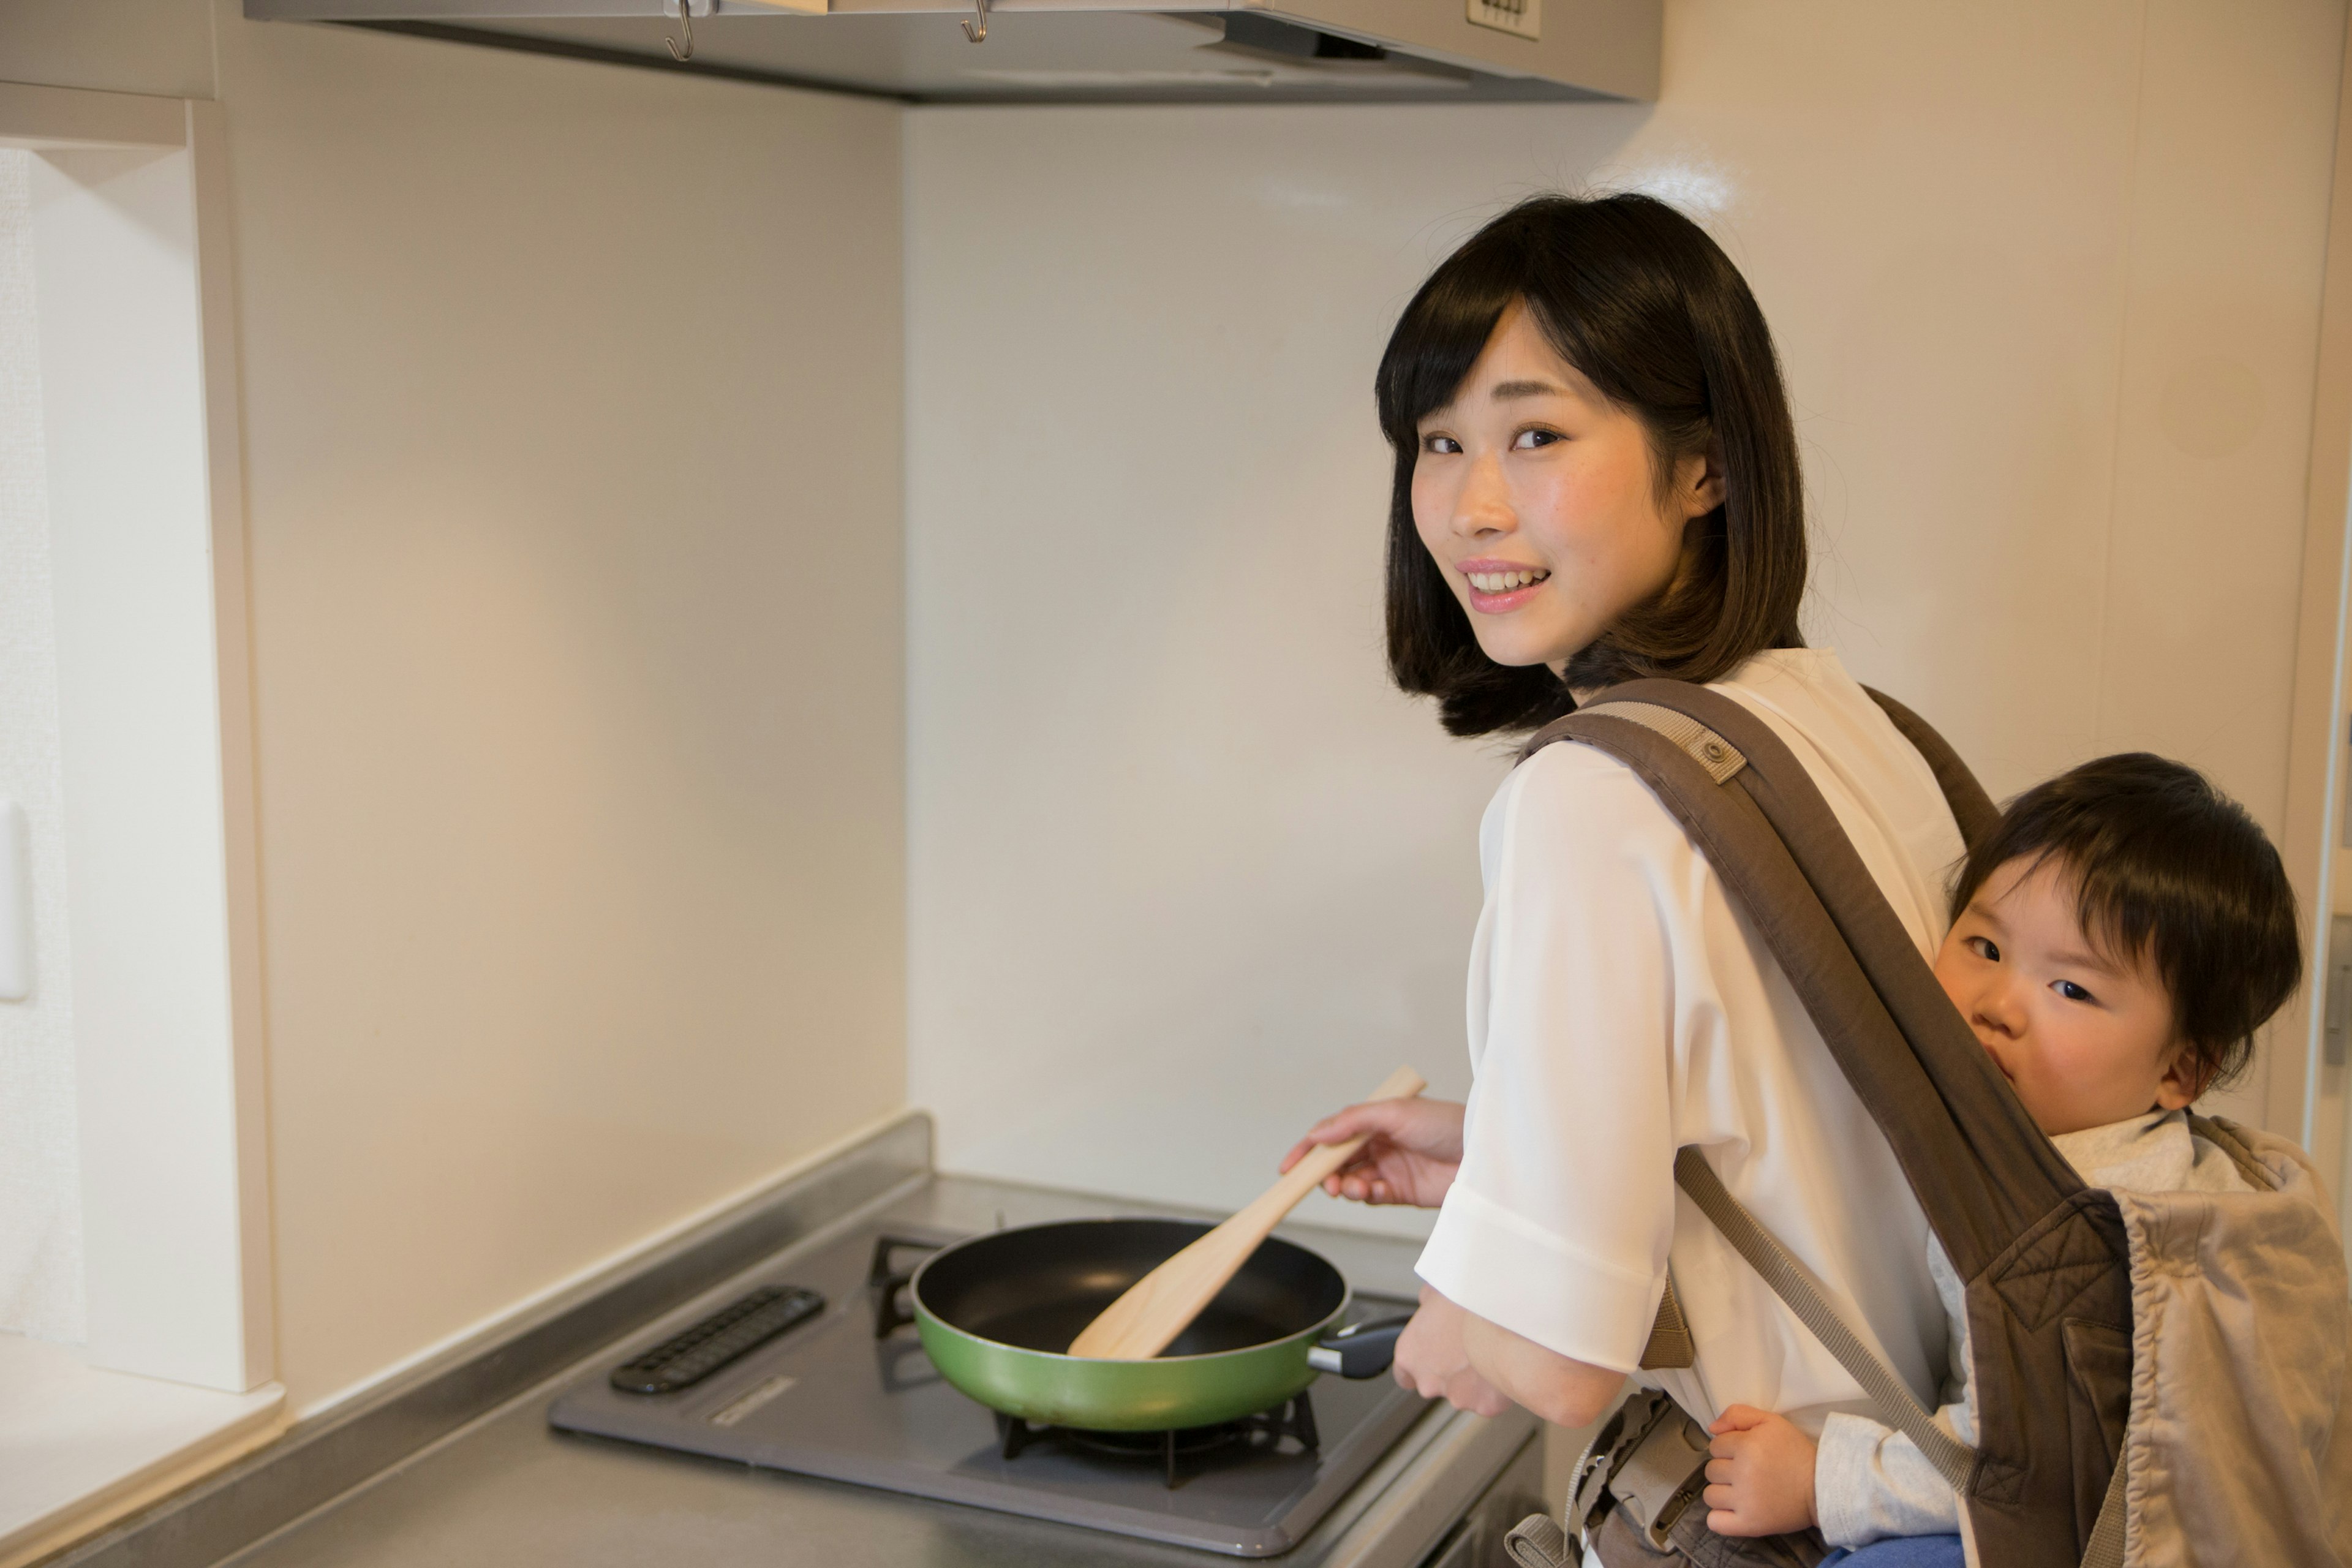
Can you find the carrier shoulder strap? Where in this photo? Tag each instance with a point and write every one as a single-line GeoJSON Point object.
{"type": "Point", "coordinates": [1670, 1340]}
{"type": "Point", "coordinates": [2240, 1153]}
{"type": "Point", "coordinates": [2013, 1214]}
{"type": "Point", "coordinates": [1753, 810]}
{"type": "Point", "coordinates": [1670, 1345]}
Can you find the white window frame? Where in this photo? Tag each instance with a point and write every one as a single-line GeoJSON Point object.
{"type": "Point", "coordinates": [134, 287]}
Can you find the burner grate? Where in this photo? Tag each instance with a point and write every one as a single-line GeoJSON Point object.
{"type": "Point", "coordinates": [1294, 1419]}
{"type": "Point", "coordinates": [887, 1282]}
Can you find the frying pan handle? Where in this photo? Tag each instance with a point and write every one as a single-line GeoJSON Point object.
{"type": "Point", "coordinates": [1359, 1350]}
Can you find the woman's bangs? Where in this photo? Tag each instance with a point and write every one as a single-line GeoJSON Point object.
{"type": "Point", "coordinates": [1436, 343]}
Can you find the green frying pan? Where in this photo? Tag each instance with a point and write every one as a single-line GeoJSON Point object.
{"type": "Point", "coordinates": [996, 1313]}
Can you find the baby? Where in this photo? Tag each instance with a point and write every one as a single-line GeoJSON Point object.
{"type": "Point", "coordinates": [2114, 944]}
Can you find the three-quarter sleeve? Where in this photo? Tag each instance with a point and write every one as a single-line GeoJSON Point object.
{"type": "Point", "coordinates": [1591, 967]}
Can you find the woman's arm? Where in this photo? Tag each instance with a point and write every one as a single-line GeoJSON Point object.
{"type": "Point", "coordinates": [1411, 1151]}
{"type": "Point", "coordinates": [1559, 1222]}
{"type": "Point", "coordinates": [1588, 974]}
{"type": "Point", "coordinates": [1556, 1387]}
{"type": "Point", "coordinates": [1411, 1148]}
{"type": "Point", "coordinates": [1450, 1354]}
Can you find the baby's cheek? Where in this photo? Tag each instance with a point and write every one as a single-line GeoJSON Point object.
{"type": "Point", "coordinates": [1948, 973]}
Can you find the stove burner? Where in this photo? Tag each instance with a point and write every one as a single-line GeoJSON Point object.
{"type": "Point", "coordinates": [1267, 1429]}
{"type": "Point", "coordinates": [876, 1413]}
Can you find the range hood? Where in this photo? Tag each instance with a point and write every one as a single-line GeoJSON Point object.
{"type": "Point", "coordinates": [1076, 51]}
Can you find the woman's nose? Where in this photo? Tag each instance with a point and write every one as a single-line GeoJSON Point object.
{"type": "Point", "coordinates": [1485, 506]}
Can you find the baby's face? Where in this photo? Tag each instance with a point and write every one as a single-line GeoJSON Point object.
{"type": "Point", "coordinates": [2085, 1039]}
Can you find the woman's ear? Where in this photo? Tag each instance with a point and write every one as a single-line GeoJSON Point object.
{"type": "Point", "coordinates": [2185, 1072]}
{"type": "Point", "coordinates": [1701, 476]}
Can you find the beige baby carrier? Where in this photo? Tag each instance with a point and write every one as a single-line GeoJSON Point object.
{"type": "Point", "coordinates": [2157, 1376]}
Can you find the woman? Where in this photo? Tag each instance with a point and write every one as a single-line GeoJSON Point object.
{"type": "Point", "coordinates": [1596, 480]}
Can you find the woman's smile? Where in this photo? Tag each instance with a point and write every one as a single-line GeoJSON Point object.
{"type": "Point", "coordinates": [1498, 587]}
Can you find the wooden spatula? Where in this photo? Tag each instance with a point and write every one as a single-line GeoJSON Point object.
{"type": "Point", "coordinates": [1153, 1310]}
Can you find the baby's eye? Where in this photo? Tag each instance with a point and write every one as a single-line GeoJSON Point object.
{"type": "Point", "coordinates": [1439, 443]}
{"type": "Point", "coordinates": [2072, 992]}
{"type": "Point", "coordinates": [1527, 440]}
{"type": "Point", "coordinates": [1983, 946]}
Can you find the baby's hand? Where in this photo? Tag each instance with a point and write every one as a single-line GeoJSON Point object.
{"type": "Point", "coordinates": [1760, 1480]}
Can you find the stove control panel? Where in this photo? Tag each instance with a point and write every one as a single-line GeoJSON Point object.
{"type": "Point", "coordinates": [735, 1329]}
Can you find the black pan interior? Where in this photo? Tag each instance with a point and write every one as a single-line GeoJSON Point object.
{"type": "Point", "coordinates": [1036, 1286]}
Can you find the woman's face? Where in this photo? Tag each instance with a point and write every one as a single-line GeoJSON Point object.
{"type": "Point", "coordinates": [1538, 500]}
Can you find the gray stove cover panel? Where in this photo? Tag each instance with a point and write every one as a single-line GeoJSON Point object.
{"type": "Point", "coordinates": [828, 1400]}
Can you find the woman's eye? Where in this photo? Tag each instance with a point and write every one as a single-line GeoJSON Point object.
{"type": "Point", "coordinates": [1443, 444]}
{"type": "Point", "coordinates": [1983, 948]}
{"type": "Point", "coordinates": [1527, 440]}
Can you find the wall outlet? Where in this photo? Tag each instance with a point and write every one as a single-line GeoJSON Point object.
{"type": "Point", "coordinates": [1523, 17]}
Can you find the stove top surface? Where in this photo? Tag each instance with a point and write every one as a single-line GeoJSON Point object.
{"type": "Point", "coordinates": [829, 1399]}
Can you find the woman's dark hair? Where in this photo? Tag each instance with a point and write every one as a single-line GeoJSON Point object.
{"type": "Point", "coordinates": [1637, 297]}
{"type": "Point", "coordinates": [2167, 867]}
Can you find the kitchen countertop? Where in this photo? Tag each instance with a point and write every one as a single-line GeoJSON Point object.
{"type": "Point", "coordinates": [505, 1489]}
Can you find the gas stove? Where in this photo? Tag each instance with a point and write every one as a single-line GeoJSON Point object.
{"type": "Point", "coordinates": [458, 1463]}
{"type": "Point", "coordinates": [847, 1394]}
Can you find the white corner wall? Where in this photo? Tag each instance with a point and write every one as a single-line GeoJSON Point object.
{"type": "Point", "coordinates": [40, 1166]}
{"type": "Point", "coordinates": [573, 441]}
{"type": "Point", "coordinates": [571, 449]}
{"type": "Point", "coordinates": [572, 402]}
{"type": "Point", "coordinates": [174, 1238]}
{"type": "Point", "coordinates": [1185, 872]}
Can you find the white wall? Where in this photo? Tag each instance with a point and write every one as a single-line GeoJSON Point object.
{"type": "Point", "coordinates": [140, 458]}
{"type": "Point", "coordinates": [1183, 871]}
{"type": "Point", "coordinates": [574, 479]}
{"type": "Point", "coordinates": [572, 434]}
{"type": "Point", "coordinates": [571, 403]}
{"type": "Point", "coordinates": [40, 1167]}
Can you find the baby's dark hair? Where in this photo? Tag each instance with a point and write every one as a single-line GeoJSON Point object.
{"type": "Point", "coordinates": [2164, 864]}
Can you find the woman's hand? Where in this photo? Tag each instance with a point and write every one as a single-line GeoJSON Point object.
{"type": "Point", "coordinates": [1412, 1148]}
{"type": "Point", "coordinates": [1760, 1480]}
{"type": "Point", "coordinates": [1431, 1361]}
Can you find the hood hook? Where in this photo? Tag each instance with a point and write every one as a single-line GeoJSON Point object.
{"type": "Point", "coordinates": [685, 20]}
{"type": "Point", "coordinates": [977, 35]}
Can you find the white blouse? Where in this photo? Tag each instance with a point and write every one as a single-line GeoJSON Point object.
{"type": "Point", "coordinates": [1620, 1007]}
